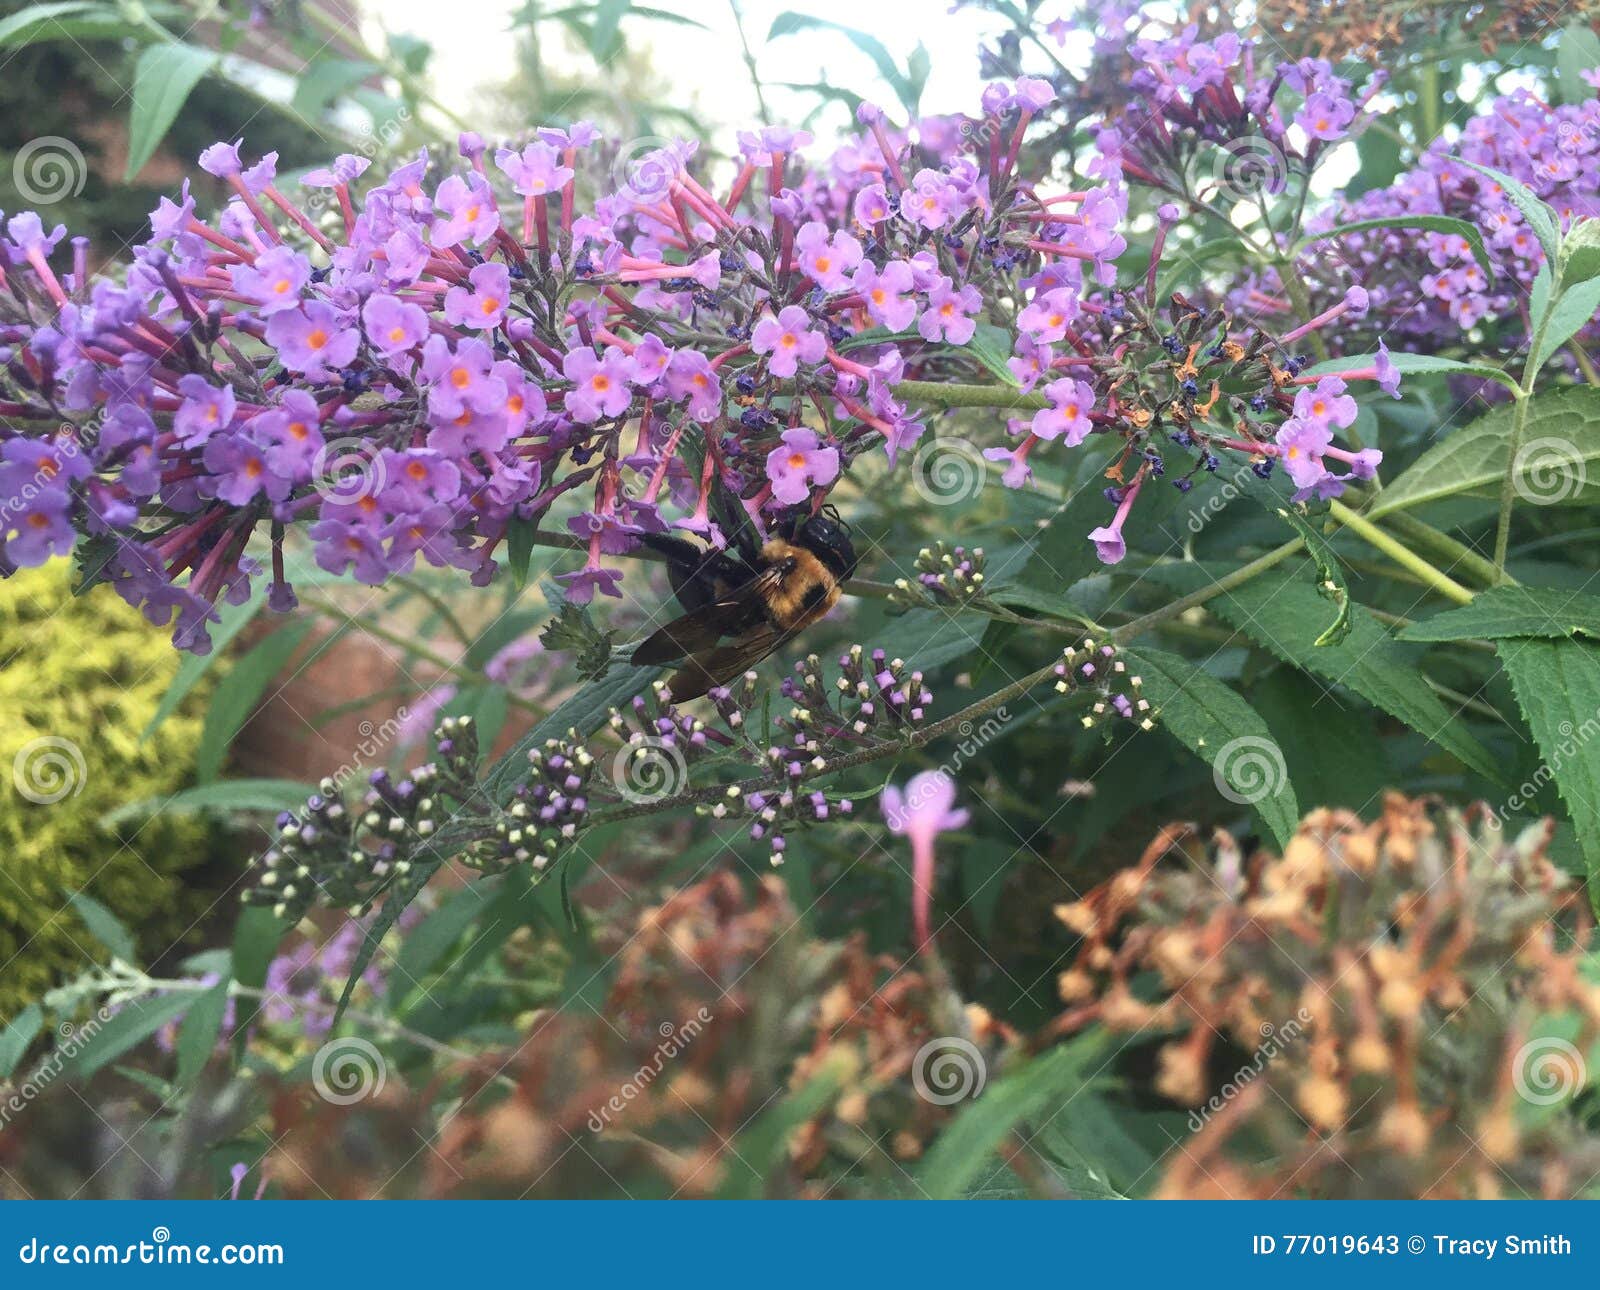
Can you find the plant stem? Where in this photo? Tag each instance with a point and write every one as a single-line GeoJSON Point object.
{"type": "Point", "coordinates": [1401, 554]}
{"type": "Point", "coordinates": [1519, 427]}
{"type": "Point", "coordinates": [969, 396]}
{"type": "Point", "coordinates": [1443, 546]}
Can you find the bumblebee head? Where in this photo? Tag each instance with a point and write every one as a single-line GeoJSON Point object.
{"type": "Point", "coordinates": [827, 537]}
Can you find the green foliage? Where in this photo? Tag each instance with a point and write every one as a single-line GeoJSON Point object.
{"type": "Point", "coordinates": [89, 673]}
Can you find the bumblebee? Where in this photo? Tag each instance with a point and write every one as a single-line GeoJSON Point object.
{"type": "Point", "coordinates": [745, 601]}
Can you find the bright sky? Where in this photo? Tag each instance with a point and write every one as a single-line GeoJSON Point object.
{"type": "Point", "coordinates": [706, 67]}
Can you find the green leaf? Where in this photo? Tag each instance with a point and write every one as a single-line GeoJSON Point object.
{"type": "Point", "coordinates": [1542, 221]}
{"type": "Point", "coordinates": [786, 24]}
{"type": "Point", "coordinates": [991, 346]}
{"type": "Point", "coordinates": [195, 666]}
{"type": "Point", "coordinates": [239, 692]}
{"type": "Point", "coordinates": [400, 896]}
{"type": "Point", "coordinates": [133, 1024]}
{"type": "Point", "coordinates": [39, 22]}
{"type": "Point", "coordinates": [1562, 436]}
{"type": "Point", "coordinates": [1575, 307]}
{"type": "Point", "coordinates": [1432, 223]}
{"type": "Point", "coordinates": [1577, 52]}
{"type": "Point", "coordinates": [105, 926]}
{"type": "Point", "coordinates": [1502, 612]}
{"type": "Point", "coordinates": [1044, 1085]}
{"type": "Point", "coordinates": [572, 630]}
{"type": "Point", "coordinates": [14, 1040]}
{"type": "Point", "coordinates": [763, 1147]}
{"type": "Point", "coordinates": [255, 943]}
{"type": "Point", "coordinates": [519, 549]}
{"type": "Point", "coordinates": [432, 938]}
{"type": "Point", "coordinates": [1330, 581]}
{"type": "Point", "coordinates": [1278, 609]}
{"type": "Point", "coordinates": [328, 80]}
{"type": "Point", "coordinates": [1556, 681]}
{"type": "Point", "coordinates": [162, 80]}
{"type": "Point", "coordinates": [1417, 365]}
{"type": "Point", "coordinates": [197, 1036]}
{"type": "Point", "coordinates": [586, 711]}
{"type": "Point", "coordinates": [226, 795]}
{"type": "Point", "coordinates": [604, 35]}
{"type": "Point", "coordinates": [1224, 731]}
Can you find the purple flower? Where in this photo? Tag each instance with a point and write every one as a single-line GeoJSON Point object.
{"type": "Point", "coordinates": [798, 464]}
{"type": "Point", "coordinates": [1301, 443]}
{"type": "Point", "coordinates": [650, 360]}
{"type": "Point", "coordinates": [461, 380]}
{"type": "Point", "coordinates": [345, 544]}
{"type": "Point", "coordinates": [789, 339]}
{"type": "Point", "coordinates": [464, 211]}
{"type": "Point", "coordinates": [1067, 417]}
{"type": "Point", "coordinates": [1325, 405]}
{"type": "Point", "coordinates": [949, 313]}
{"type": "Point", "coordinates": [600, 385]}
{"type": "Point", "coordinates": [1325, 116]}
{"type": "Point", "coordinates": [205, 409]}
{"type": "Point", "coordinates": [931, 200]}
{"type": "Point", "coordinates": [827, 261]}
{"type": "Point", "coordinates": [239, 467]}
{"type": "Point", "coordinates": [34, 528]}
{"type": "Point", "coordinates": [690, 376]}
{"type": "Point", "coordinates": [1046, 317]}
{"type": "Point", "coordinates": [872, 206]}
{"type": "Point", "coordinates": [483, 306]}
{"type": "Point", "coordinates": [1388, 374]}
{"type": "Point", "coordinates": [535, 171]}
{"type": "Point", "coordinates": [274, 282]}
{"type": "Point", "coordinates": [393, 326]}
{"type": "Point", "coordinates": [312, 338]}
{"type": "Point", "coordinates": [924, 810]}
{"type": "Point", "coordinates": [290, 435]}
{"type": "Point", "coordinates": [885, 292]}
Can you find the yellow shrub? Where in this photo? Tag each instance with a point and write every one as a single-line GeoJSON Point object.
{"type": "Point", "coordinates": [79, 680]}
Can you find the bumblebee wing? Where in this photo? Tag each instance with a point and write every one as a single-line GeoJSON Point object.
{"type": "Point", "coordinates": [718, 666]}
{"type": "Point", "coordinates": [701, 629]}
{"type": "Point", "coordinates": [734, 521]}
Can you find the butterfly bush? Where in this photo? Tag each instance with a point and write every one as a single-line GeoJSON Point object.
{"type": "Point", "coordinates": [422, 369]}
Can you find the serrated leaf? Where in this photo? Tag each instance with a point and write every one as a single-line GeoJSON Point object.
{"type": "Point", "coordinates": [1416, 365]}
{"type": "Point", "coordinates": [22, 1030]}
{"type": "Point", "coordinates": [1556, 681]}
{"type": "Point", "coordinates": [1207, 717]}
{"type": "Point", "coordinates": [1502, 612]}
{"type": "Point", "coordinates": [238, 693]}
{"type": "Point", "coordinates": [162, 80]}
{"type": "Point", "coordinates": [399, 898]}
{"type": "Point", "coordinates": [1279, 609]}
{"type": "Point", "coordinates": [1575, 307]}
{"type": "Point", "coordinates": [104, 926]}
{"type": "Point", "coordinates": [1563, 426]}
{"type": "Point", "coordinates": [1432, 223]}
{"type": "Point", "coordinates": [1542, 221]}
{"type": "Point", "coordinates": [430, 939]}
{"type": "Point", "coordinates": [202, 1024]}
